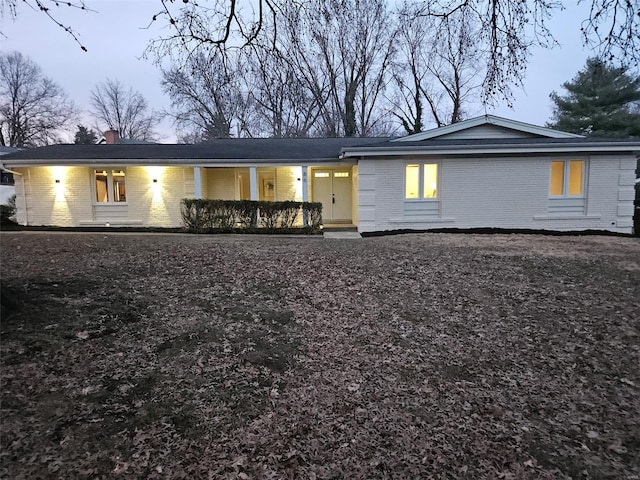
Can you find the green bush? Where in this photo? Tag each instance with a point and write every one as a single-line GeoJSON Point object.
{"type": "Point", "coordinates": [200, 215]}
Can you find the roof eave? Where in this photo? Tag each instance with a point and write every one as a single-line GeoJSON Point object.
{"type": "Point", "coordinates": [175, 162]}
{"type": "Point", "coordinates": [490, 120]}
{"type": "Point", "coordinates": [491, 149]}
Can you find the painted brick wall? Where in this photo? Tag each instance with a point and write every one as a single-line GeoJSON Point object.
{"type": "Point", "coordinates": [354, 194]}
{"type": "Point", "coordinates": [50, 203]}
{"type": "Point", "coordinates": [287, 185]}
{"type": "Point", "coordinates": [70, 202]}
{"type": "Point", "coordinates": [221, 183]}
{"type": "Point", "coordinates": [157, 204]}
{"type": "Point", "coordinates": [498, 192]}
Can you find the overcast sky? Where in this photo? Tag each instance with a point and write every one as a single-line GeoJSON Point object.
{"type": "Point", "coordinates": [116, 36]}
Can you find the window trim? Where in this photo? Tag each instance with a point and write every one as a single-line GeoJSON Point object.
{"type": "Point", "coordinates": [566, 180]}
{"type": "Point", "coordinates": [421, 170]}
{"type": "Point", "coordinates": [110, 185]}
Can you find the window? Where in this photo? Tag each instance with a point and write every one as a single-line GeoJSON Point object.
{"type": "Point", "coordinates": [567, 178]}
{"type": "Point", "coordinates": [421, 181]}
{"type": "Point", "coordinates": [6, 178]}
{"type": "Point", "coordinates": [110, 186]}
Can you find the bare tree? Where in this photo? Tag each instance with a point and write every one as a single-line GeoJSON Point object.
{"type": "Point", "coordinates": [33, 109]}
{"type": "Point", "coordinates": [125, 110]}
{"type": "Point", "coordinates": [48, 8]}
{"type": "Point", "coordinates": [340, 51]}
{"type": "Point", "coordinates": [284, 106]}
{"type": "Point", "coordinates": [204, 95]}
{"type": "Point", "coordinates": [510, 27]}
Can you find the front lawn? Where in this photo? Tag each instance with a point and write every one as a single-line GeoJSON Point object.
{"type": "Point", "coordinates": [413, 356]}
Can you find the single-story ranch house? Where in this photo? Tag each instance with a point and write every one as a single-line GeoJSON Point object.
{"type": "Point", "coordinates": [484, 172]}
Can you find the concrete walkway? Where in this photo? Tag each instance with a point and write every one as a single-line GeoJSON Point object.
{"type": "Point", "coordinates": [338, 234]}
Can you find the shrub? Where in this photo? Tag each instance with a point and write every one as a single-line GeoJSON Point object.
{"type": "Point", "coordinates": [8, 211]}
{"type": "Point", "coordinates": [200, 215]}
{"type": "Point", "coordinates": [313, 210]}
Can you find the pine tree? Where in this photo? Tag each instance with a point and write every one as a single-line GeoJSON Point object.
{"type": "Point", "coordinates": [85, 136]}
{"type": "Point", "coordinates": [602, 101]}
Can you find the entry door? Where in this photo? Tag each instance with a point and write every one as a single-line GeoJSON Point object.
{"type": "Point", "coordinates": [333, 189]}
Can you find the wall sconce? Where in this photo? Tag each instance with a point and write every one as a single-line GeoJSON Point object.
{"type": "Point", "coordinates": [155, 180]}
{"type": "Point", "coordinates": [57, 180]}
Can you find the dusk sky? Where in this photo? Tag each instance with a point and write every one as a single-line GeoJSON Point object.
{"type": "Point", "coordinates": [116, 37]}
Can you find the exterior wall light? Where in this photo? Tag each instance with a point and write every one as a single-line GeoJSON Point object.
{"type": "Point", "coordinates": [57, 180]}
{"type": "Point", "coordinates": [155, 180]}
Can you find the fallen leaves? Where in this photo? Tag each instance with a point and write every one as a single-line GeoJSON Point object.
{"type": "Point", "coordinates": [415, 356]}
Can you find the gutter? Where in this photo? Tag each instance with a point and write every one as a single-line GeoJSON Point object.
{"type": "Point", "coordinates": [177, 162]}
{"type": "Point", "coordinates": [24, 191]}
{"type": "Point", "coordinates": [489, 149]}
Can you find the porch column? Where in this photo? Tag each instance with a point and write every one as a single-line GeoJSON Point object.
{"type": "Point", "coordinates": [253, 182]}
{"type": "Point", "coordinates": [197, 182]}
{"type": "Point", "coordinates": [305, 194]}
{"type": "Point", "coordinates": [305, 184]}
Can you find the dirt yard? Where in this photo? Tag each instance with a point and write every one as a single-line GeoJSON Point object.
{"type": "Point", "coordinates": [413, 356]}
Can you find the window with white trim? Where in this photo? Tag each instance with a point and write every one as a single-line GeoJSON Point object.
{"type": "Point", "coordinates": [421, 181]}
{"type": "Point", "coordinates": [566, 178]}
{"type": "Point", "coordinates": [110, 186]}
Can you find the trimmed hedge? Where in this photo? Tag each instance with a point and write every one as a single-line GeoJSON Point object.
{"type": "Point", "coordinates": [204, 216]}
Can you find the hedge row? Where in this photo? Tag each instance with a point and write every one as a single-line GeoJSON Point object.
{"type": "Point", "coordinates": [204, 215]}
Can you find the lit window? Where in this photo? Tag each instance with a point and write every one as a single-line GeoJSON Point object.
{"type": "Point", "coordinates": [119, 190]}
{"type": "Point", "coordinates": [321, 174]}
{"type": "Point", "coordinates": [421, 178]}
{"type": "Point", "coordinates": [110, 186]}
{"type": "Point", "coordinates": [567, 178]}
{"type": "Point", "coordinates": [341, 174]}
{"type": "Point", "coordinates": [102, 189]}
{"type": "Point", "coordinates": [430, 181]}
{"type": "Point", "coordinates": [413, 181]}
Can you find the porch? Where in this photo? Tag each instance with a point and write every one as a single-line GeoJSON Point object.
{"type": "Point", "coordinates": [333, 186]}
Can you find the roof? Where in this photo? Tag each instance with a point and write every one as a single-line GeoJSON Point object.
{"type": "Point", "coordinates": [218, 151]}
{"type": "Point", "coordinates": [487, 120]}
{"type": "Point", "coordinates": [7, 150]}
{"type": "Point", "coordinates": [502, 146]}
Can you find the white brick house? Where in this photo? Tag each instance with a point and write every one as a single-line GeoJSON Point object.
{"type": "Point", "coordinates": [487, 172]}
{"type": "Point", "coordinates": [493, 172]}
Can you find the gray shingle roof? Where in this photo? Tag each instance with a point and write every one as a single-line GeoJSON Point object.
{"type": "Point", "coordinates": [254, 149]}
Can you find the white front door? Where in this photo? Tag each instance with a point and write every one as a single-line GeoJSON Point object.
{"type": "Point", "coordinates": [333, 189]}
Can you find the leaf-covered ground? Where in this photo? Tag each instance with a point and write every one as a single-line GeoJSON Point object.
{"type": "Point", "coordinates": [413, 356]}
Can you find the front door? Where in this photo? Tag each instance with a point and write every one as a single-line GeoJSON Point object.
{"type": "Point", "coordinates": [333, 189]}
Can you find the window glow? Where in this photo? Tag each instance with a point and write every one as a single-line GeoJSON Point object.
{"type": "Point", "coordinates": [567, 178]}
{"type": "Point", "coordinates": [341, 174]}
{"type": "Point", "coordinates": [421, 181]}
{"type": "Point", "coordinates": [119, 189]}
{"type": "Point", "coordinates": [110, 186]}
{"type": "Point", "coordinates": [557, 178]}
{"type": "Point", "coordinates": [412, 176]}
{"type": "Point", "coordinates": [575, 177]}
{"type": "Point", "coordinates": [321, 174]}
{"type": "Point", "coordinates": [430, 181]}
{"type": "Point", "coordinates": [101, 186]}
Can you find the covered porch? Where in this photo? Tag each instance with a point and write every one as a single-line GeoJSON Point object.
{"type": "Point", "coordinates": [332, 185]}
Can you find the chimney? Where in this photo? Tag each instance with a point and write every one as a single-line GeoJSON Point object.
{"type": "Point", "coordinates": [111, 137]}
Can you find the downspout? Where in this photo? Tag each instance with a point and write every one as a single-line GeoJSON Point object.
{"type": "Point", "coordinates": [24, 191]}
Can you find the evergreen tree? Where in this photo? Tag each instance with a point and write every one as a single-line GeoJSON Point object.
{"type": "Point", "coordinates": [85, 136]}
{"type": "Point", "coordinates": [602, 101]}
